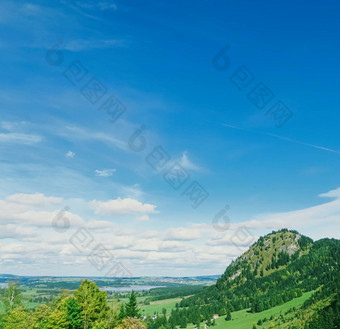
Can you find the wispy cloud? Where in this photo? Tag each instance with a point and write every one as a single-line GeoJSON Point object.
{"type": "Point", "coordinates": [79, 133]}
{"type": "Point", "coordinates": [186, 163]}
{"type": "Point", "coordinates": [105, 172]}
{"type": "Point", "coordinates": [19, 138]}
{"type": "Point", "coordinates": [101, 5]}
{"type": "Point", "coordinates": [82, 44]}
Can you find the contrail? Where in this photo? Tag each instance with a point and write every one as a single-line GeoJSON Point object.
{"type": "Point", "coordinates": [282, 137]}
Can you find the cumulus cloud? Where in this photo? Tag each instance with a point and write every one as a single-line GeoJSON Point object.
{"type": "Point", "coordinates": [12, 231]}
{"type": "Point", "coordinates": [196, 248]}
{"type": "Point", "coordinates": [20, 209]}
{"type": "Point", "coordinates": [143, 218]}
{"type": "Point", "coordinates": [120, 206]}
{"type": "Point", "coordinates": [36, 199]}
{"type": "Point", "coordinates": [183, 234]}
{"type": "Point", "coordinates": [100, 225]}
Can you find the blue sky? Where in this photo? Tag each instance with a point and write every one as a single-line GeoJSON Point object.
{"type": "Point", "coordinates": [58, 149]}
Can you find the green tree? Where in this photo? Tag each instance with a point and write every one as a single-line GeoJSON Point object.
{"type": "Point", "coordinates": [74, 313]}
{"type": "Point", "coordinates": [58, 318]}
{"type": "Point", "coordinates": [131, 308]}
{"type": "Point", "coordinates": [228, 317]}
{"type": "Point", "coordinates": [113, 318]}
{"type": "Point", "coordinates": [18, 319]}
{"type": "Point", "coordinates": [122, 313]}
{"type": "Point", "coordinates": [93, 304]}
{"type": "Point", "coordinates": [41, 315]}
{"type": "Point", "coordinates": [12, 297]}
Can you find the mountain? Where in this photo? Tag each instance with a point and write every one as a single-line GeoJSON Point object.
{"type": "Point", "coordinates": [279, 267]}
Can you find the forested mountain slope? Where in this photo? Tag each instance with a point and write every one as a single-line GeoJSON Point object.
{"type": "Point", "coordinates": [277, 268]}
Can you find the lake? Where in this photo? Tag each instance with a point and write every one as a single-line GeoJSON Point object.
{"type": "Point", "coordinates": [129, 288]}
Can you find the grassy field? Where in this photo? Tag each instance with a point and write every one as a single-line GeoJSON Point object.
{"type": "Point", "coordinates": [241, 319]}
{"type": "Point", "coordinates": [157, 306]}
{"type": "Point", "coordinates": [245, 320]}
{"type": "Point", "coordinates": [154, 307]}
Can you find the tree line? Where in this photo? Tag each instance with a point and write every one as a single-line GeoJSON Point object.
{"type": "Point", "coordinates": [86, 308]}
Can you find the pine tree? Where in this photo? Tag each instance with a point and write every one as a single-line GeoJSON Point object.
{"type": "Point", "coordinates": [131, 309]}
{"type": "Point", "coordinates": [122, 313]}
{"type": "Point", "coordinates": [228, 317]}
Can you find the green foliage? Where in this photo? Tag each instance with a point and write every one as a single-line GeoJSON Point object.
{"type": "Point", "coordinates": [58, 318]}
{"type": "Point", "coordinates": [228, 317]}
{"type": "Point", "coordinates": [131, 308]}
{"type": "Point", "coordinates": [93, 304]}
{"type": "Point", "coordinates": [73, 313]}
{"type": "Point", "coordinates": [18, 319]}
{"type": "Point", "coordinates": [122, 313]}
{"type": "Point", "coordinates": [87, 309]}
{"type": "Point", "coordinates": [12, 297]}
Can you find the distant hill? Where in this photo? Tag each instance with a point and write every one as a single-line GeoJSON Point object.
{"type": "Point", "coordinates": [276, 269]}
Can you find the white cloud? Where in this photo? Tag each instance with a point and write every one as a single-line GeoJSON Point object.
{"type": "Point", "coordinates": [19, 209]}
{"type": "Point", "coordinates": [316, 221]}
{"type": "Point", "coordinates": [331, 194]}
{"type": "Point", "coordinates": [183, 234]}
{"type": "Point", "coordinates": [101, 5]}
{"type": "Point", "coordinates": [105, 172]}
{"type": "Point", "coordinates": [147, 245]}
{"type": "Point", "coordinates": [186, 163]}
{"type": "Point", "coordinates": [17, 232]}
{"type": "Point", "coordinates": [101, 225]}
{"type": "Point", "coordinates": [13, 125]}
{"type": "Point", "coordinates": [19, 138]}
{"type": "Point", "coordinates": [133, 191]}
{"type": "Point", "coordinates": [70, 154]}
{"type": "Point", "coordinates": [36, 199]}
{"type": "Point", "coordinates": [82, 44]}
{"type": "Point", "coordinates": [121, 207]}
{"type": "Point", "coordinates": [143, 218]}
{"type": "Point", "coordinates": [194, 249]}
{"type": "Point", "coordinates": [79, 133]}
